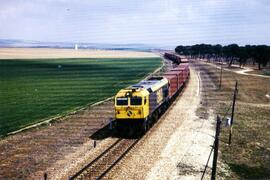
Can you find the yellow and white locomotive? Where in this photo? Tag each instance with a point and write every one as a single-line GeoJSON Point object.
{"type": "Point", "coordinates": [136, 105]}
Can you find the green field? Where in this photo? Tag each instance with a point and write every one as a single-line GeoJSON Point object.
{"type": "Point", "coordinates": [33, 90]}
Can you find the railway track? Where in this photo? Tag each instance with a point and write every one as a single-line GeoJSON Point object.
{"type": "Point", "coordinates": [101, 165]}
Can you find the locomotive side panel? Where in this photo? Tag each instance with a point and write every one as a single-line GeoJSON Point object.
{"type": "Point", "coordinates": [158, 97]}
{"type": "Point", "coordinates": [152, 102]}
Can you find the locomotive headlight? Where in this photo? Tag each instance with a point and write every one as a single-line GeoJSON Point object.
{"type": "Point", "coordinates": [118, 112]}
{"type": "Point", "coordinates": [139, 111]}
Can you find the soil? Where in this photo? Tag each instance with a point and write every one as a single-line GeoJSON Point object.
{"type": "Point", "coordinates": [45, 53]}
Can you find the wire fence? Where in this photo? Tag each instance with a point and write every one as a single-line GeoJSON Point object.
{"type": "Point", "coordinates": [229, 110]}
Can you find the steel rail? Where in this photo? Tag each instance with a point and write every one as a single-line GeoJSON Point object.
{"type": "Point", "coordinates": [95, 160]}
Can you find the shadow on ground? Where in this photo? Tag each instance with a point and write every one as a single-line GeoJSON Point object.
{"type": "Point", "coordinates": [110, 131]}
{"type": "Point", "coordinates": [249, 172]}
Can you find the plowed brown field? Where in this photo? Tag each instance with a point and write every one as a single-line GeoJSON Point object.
{"type": "Point", "coordinates": [44, 53]}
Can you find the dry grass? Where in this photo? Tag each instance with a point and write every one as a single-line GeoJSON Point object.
{"type": "Point", "coordinates": [249, 154]}
{"type": "Point", "coordinates": [44, 53]}
{"type": "Point", "coordinates": [251, 89]}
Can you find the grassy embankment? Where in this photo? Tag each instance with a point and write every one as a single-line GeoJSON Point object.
{"type": "Point", "coordinates": [249, 154]}
{"type": "Point", "coordinates": [34, 90]}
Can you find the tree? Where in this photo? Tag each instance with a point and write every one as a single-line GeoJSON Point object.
{"type": "Point", "coordinates": [180, 49]}
{"type": "Point", "coordinates": [232, 51]}
{"type": "Point", "coordinates": [262, 55]}
{"type": "Point", "coordinates": [243, 56]}
{"type": "Point", "coordinates": [217, 50]}
{"type": "Point", "coordinates": [250, 49]}
{"type": "Point", "coordinates": [259, 54]}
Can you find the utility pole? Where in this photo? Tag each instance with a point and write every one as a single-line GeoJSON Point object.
{"type": "Point", "coordinates": [216, 144]}
{"type": "Point", "coordinates": [220, 77]}
{"type": "Point", "coordinates": [233, 106]}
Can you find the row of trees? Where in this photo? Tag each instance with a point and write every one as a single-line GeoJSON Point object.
{"type": "Point", "coordinates": [259, 54]}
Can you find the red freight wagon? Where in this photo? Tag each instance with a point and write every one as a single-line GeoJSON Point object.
{"type": "Point", "coordinates": [183, 65]}
{"type": "Point", "coordinates": [171, 73]}
{"type": "Point", "coordinates": [173, 57]}
{"type": "Point", "coordinates": [186, 69]}
{"type": "Point", "coordinates": [184, 60]}
{"type": "Point", "coordinates": [179, 77]}
{"type": "Point", "coordinates": [184, 72]}
{"type": "Point", "coordinates": [173, 84]}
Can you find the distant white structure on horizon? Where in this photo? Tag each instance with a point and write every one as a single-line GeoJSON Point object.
{"type": "Point", "coordinates": [76, 47]}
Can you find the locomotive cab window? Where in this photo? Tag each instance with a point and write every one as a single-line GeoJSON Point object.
{"type": "Point", "coordinates": [136, 100]}
{"type": "Point", "coordinates": [122, 101]}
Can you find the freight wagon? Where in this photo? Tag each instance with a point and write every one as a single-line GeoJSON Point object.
{"type": "Point", "coordinates": [173, 57]}
{"type": "Point", "coordinates": [179, 74]}
{"type": "Point", "coordinates": [173, 84]}
{"type": "Point", "coordinates": [176, 59]}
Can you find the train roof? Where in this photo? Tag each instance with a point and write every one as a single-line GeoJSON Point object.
{"type": "Point", "coordinates": [144, 87]}
{"type": "Point", "coordinates": [170, 76]}
{"type": "Point", "coordinates": [151, 84]}
{"type": "Point", "coordinates": [176, 73]}
{"type": "Point", "coordinates": [185, 65]}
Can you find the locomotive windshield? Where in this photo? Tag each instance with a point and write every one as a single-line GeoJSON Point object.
{"type": "Point", "coordinates": [135, 100]}
{"type": "Point", "coordinates": [122, 101]}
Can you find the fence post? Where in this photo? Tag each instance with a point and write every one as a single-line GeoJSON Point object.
{"type": "Point", "coordinates": [45, 176]}
{"type": "Point", "coordinates": [216, 144]}
{"type": "Point", "coordinates": [233, 106]}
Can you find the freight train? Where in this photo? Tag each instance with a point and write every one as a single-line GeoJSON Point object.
{"type": "Point", "coordinates": [175, 58]}
{"type": "Point", "coordinates": [138, 106]}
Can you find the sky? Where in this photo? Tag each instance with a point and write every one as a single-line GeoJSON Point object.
{"type": "Point", "coordinates": [156, 22]}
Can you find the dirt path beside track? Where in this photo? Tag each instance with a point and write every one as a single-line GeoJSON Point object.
{"type": "Point", "coordinates": [243, 70]}
{"type": "Point", "coordinates": [179, 145]}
